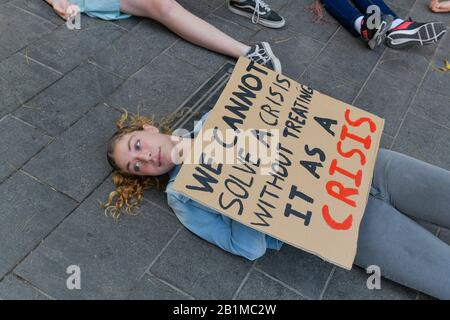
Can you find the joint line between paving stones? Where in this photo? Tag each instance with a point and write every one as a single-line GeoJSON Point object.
{"type": "Point", "coordinates": [172, 286]}
{"type": "Point", "coordinates": [19, 278]}
{"type": "Point", "coordinates": [244, 281]}
{"type": "Point", "coordinates": [283, 284]}
{"type": "Point", "coordinates": [330, 276]}
{"type": "Point", "coordinates": [54, 228]}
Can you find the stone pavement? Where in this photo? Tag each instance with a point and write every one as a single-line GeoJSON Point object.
{"type": "Point", "coordinates": [60, 94]}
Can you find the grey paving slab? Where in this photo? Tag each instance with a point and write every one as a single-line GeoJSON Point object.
{"type": "Point", "coordinates": [199, 268]}
{"type": "Point", "coordinates": [260, 287]}
{"type": "Point", "coordinates": [444, 235]}
{"type": "Point", "coordinates": [300, 20]}
{"type": "Point", "coordinates": [353, 285]}
{"type": "Point", "coordinates": [75, 163]}
{"type": "Point", "coordinates": [424, 140]}
{"type": "Point", "coordinates": [136, 48]}
{"type": "Point", "coordinates": [409, 64]}
{"type": "Point", "coordinates": [420, 12]}
{"type": "Point", "coordinates": [64, 49]}
{"type": "Point", "coordinates": [432, 105]}
{"type": "Point", "coordinates": [20, 142]}
{"type": "Point", "coordinates": [112, 255]}
{"type": "Point", "coordinates": [158, 88]}
{"type": "Point", "coordinates": [201, 8]}
{"type": "Point", "coordinates": [12, 288]}
{"type": "Point", "coordinates": [21, 79]}
{"type": "Point", "coordinates": [128, 23]}
{"type": "Point", "coordinates": [327, 82]}
{"type": "Point", "coordinates": [63, 103]}
{"type": "Point", "coordinates": [436, 79]}
{"type": "Point", "coordinates": [205, 59]}
{"type": "Point", "coordinates": [40, 8]}
{"type": "Point", "coordinates": [392, 104]}
{"type": "Point", "coordinates": [349, 57]}
{"type": "Point", "coordinates": [300, 270]}
{"type": "Point", "coordinates": [297, 50]}
{"type": "Point", "coordinates": [151, 288]}
{"type": "Point", "coordinates": [27, 28]}
{"type": "Point", "coordinates": [386, 141]}
{"type": "Point", "coordinates": [29, 211]}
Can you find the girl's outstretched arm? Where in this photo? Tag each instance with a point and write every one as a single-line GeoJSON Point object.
{"type": "Point", "coordinates": [437, 6]}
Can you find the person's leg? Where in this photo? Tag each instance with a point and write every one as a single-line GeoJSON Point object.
{"type": "Point", "coordinates": [344, 13]}
{"type": "Point", "coordinates": [405, 251]}
{"type": "Point", "coordinates": [362, 6]}
{"type": "Point", "coordinates": [415, 188]}
{"type": "Point", "coordinates": [186, 25]}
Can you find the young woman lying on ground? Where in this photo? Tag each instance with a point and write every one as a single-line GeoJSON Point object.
{"type": "Point", "coordinates": [403, 189]}
{"type": "Point", "coordinates": [182, 22]}
{"type": "Point", "coordinates": [397, 32]}
{"type": "Point", "coordinates": [443, 6]}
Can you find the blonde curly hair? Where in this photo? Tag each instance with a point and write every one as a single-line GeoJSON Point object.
{"type": "Point", "coordinates": [129, 189]}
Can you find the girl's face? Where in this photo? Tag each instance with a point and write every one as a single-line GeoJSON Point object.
{"type": "Point", "coordinates": [145, 152]}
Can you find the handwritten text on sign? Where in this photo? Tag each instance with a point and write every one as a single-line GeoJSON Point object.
{"type": "Point", "coordinates": [313, 193]}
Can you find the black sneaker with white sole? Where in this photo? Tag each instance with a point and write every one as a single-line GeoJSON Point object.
{"type": "Point", "coordinates": [258, 11]}
{"type": "Point", "coordinates": [262, 53]}
{"type": "Point", "coordinates": [410, 33]}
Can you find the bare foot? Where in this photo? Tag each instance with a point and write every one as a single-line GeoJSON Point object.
{"type": "Point", "coordinates": [437, 6]}
{"type": "Point", "coordinates": [64, 8]}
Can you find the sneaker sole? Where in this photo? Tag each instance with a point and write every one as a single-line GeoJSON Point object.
{"type": "Point", "coordinates": [276, 61]}
{"type": "Point", "coordinates": [264, 22]}
{"type": "Point", "coordinates": [427, 34]}
{"type": "Point", "coordinates": [381, 33]}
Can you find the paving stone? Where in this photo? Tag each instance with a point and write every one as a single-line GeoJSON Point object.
{"type": "Point", "coordinates": [409, 64]}
{"type": "Point", "coordinates": [260, 287]}
{"type": "Point", "coordinates": [29, 211]}
{"type": "Point", "coordinates": [420, 12]}
{"type": "Point", "coordinates": [349, 57]}
{"type": "Point", "coordinates": [330, 84]}
{"type": "Point", "coordinates": [424, 140]}
{"type": "Point", "coordinates": [158, 88]}
{"type": "Point", "coordinates": [295, 52]}
{"type": "Point", "coordinates": [20, 142]}
{"type": "Point", "coordinates": [444, 235]}
{"type": "Point", "coordinates": [21, 79]}
{"type": "Point", "coordinates": [136, 48]}
{"type": "Point", "coordinates": [201, 8]}
{"type": "Point", "coordinates": [353, 285]}
{"type": "Point", "coordinates": [392, 104]}
{"type": "Point", "coordinates": [301, 20]}
{"type": "Point", "coordinates": [64, 49]}
{"type": "Point", "coordinates": [63, 103]}
{"type": "Point", "coordinates": [205, 59]}
{"type": "Point", "coordinates": [25, 26]}
{"type": "Point", "coordinates": [76, 163]}
{"type": "Point", "coordinates": [300, 270]}
{"type": "Point", "coordinates": [150, 288]}
{"type": "Point", "coordinates": [386, 141]}
{"type": "Point", "coordinates": [435, 79]}
{"type": "Point", "coordinates": [12, 288]}
{"type": "Point", "coordinates": [199, 268]}
{"type": "Point", "coordinates": [40, 8]}
{"type": "Point", "coordinates": [112, 255]}
{"type": "Point", "coordinates": [432, 105]}
{"type": "Point", "coordinates": [128, 23]}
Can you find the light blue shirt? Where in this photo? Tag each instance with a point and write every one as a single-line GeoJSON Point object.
{"type": "Point", "coordinates": [214, 227]}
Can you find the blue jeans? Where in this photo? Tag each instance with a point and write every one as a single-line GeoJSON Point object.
{"type": "Point", "coordinates": [403, 189]}
{"type": "Point", "coordinates": [344, 12]}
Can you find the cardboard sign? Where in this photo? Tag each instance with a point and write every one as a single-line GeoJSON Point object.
{"type": "Point", "coordinates": [313, 192]}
